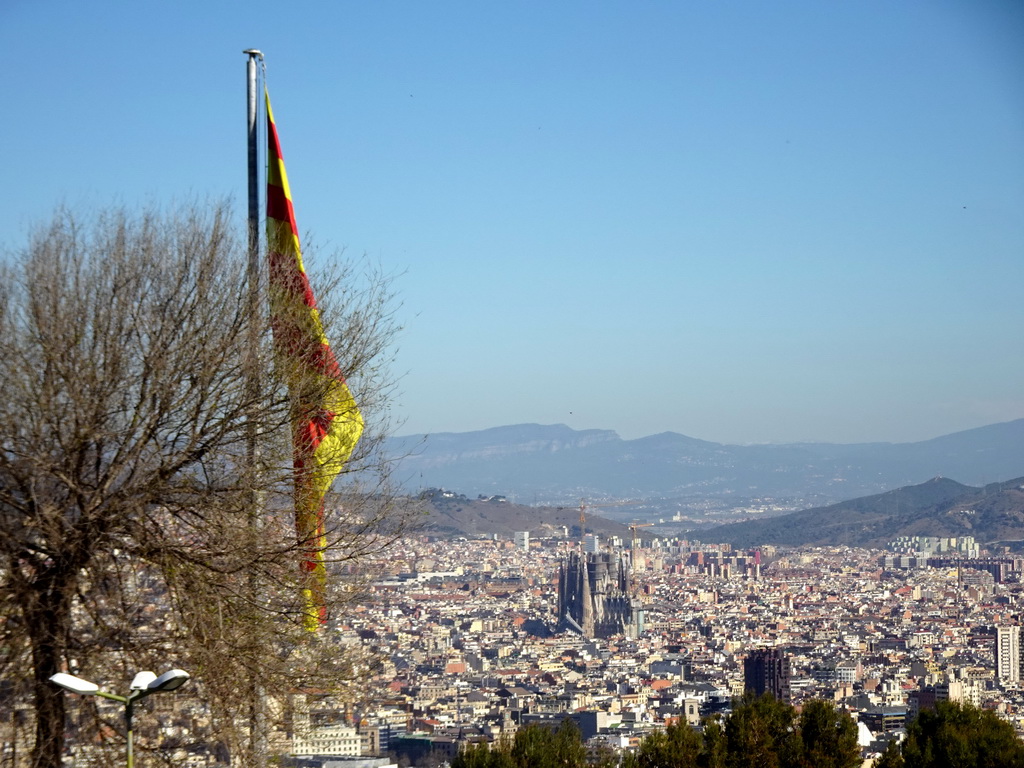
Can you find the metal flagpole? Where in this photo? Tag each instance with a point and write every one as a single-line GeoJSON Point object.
{"type": "Point", "coordinates": [254, 188]}
{"type": "Point", "coordinates": [257, 704]}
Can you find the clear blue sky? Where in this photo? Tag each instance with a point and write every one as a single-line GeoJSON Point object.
{"type": "Point", "coordinates": [742, 221]}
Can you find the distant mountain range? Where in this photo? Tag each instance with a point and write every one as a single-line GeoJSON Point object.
{"type": "Point", "coordinates": [940, 507]}
{"type": "Point", "coordinates": [553, 464]}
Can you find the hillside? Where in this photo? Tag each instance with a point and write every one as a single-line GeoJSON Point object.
{"type": "Point", "coordinates": [448, 514]}
{"type": "Point", "coordinates": [939, 507]}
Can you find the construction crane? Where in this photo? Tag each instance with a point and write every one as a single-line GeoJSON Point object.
{"type": "Point", "coordinates": [584, 506]}
{"type": "Point", "coordinates": [636, 537]}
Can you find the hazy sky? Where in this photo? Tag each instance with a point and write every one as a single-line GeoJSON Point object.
{"type": "Point", "coordinates": [742, 221]}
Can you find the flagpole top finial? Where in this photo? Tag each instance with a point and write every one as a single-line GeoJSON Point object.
{"type": "Point", "coordinates": [253, 52]}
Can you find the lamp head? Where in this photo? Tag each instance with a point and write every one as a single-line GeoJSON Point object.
{"type": "Point", "coordinates": [142, 681]}
{"type": "Point", "coordinates": [74, 684]}
{"type": "Point", "coordinates": [168, 681]}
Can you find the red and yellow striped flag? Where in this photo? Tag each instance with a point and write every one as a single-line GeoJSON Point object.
{"type": "Point", "coordinates": [326, 424]}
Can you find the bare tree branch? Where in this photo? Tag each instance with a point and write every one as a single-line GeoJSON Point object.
{"type": "Point", "coordinates": [128, 535]}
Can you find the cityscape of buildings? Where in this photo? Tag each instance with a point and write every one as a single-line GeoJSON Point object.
{"type": "Point", "coordinates": [475, 638]}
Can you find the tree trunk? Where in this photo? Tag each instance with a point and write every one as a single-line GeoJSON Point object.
{"type": "Point", "coordinates": [47, 618]}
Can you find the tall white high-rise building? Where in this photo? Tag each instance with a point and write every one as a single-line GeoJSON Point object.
{"type": "Point", "coordinates": [521, 539]}
{"type": "Point", "coordinates": [1008, 654]}
{"type": "Point", "coordinates": [591, 543]}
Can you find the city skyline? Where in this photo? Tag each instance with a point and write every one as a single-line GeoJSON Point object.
{"type": "Point", "coordinates": [741, 223]}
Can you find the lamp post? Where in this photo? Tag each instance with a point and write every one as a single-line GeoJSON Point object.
{"type": "Point", "coordinates": [144, 684]}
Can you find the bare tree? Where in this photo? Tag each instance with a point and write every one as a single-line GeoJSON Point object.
{"type": "Point", "coordinates": [127, 525]}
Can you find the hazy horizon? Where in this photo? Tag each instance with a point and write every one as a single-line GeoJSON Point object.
{"type": "Point", "coordinates": [403, 434]}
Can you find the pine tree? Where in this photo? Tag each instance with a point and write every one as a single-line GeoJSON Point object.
{"type": "Point", "coordinates": [713, 748]}
{"type": "Point", "coordinates": [891, 758]}
{"type": "Point", "coordinates": [678, 746]}
{"type": "Point", "coordinates": [760, 733]}
{"type": "Point", "coordinates": [961, 735]}
{"type": "Point", "coordinates": [828, 737]}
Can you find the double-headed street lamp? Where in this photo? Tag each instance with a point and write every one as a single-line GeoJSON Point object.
{"type": "Point", "coordinates": [144, 684]}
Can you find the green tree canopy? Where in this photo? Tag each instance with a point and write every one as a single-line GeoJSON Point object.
{"type": "Point", "coordinates": [678, 746]}
{"type": "Point", "coordinates": [828, 736]}
{"type": "Point", "coordinates": [713, 749]}
{"type": "Point", "coordinates": [766, 733]}
{"type": "Point", "coordinates": [484, 755]}
{"type": "Point", "coordinates": [760, 733]}
{"type": "Point", "coordinates": [891, 758]}
{"type": "Point", "coordinates": [955, 735]}
{"type": "Point", "coordinates": [534, 746]}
